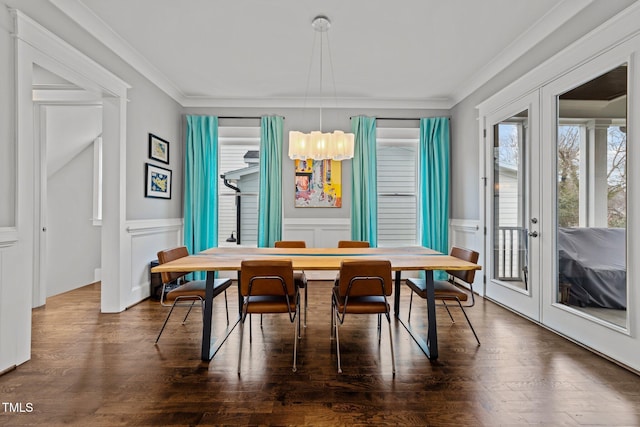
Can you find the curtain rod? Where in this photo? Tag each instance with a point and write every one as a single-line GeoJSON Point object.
{"type": "Point", "coordinates": [397, 118]}
{"type": "Point", "coordinates": [243, 117]}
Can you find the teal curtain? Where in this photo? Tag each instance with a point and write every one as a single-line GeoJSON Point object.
{"type": "Point", "coordinates": [433, 185]}
{"type": "Point", "coordinates": [270, 193]}
{"type": "Point", "coordinates": [364, 183]}
{"type": "Point", "coordinates": [201, 185]}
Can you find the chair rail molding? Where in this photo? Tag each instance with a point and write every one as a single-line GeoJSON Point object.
{"type": "Point", "coordinates": [467, 233]}
{"type": "Point", "coordinates": [146, 238]}
{"type": "Point", "coordinates": [153, 226]}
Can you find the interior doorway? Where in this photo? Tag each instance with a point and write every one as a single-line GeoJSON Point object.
{"type": "Point", "coordinates": [68, 128]}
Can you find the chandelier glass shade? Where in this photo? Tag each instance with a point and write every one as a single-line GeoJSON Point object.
{"type": "Point", "coordinates": [319, 145]}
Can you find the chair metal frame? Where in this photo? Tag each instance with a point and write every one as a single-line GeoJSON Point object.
{"type": "Point", "coordinates": [337, 318]}
{"type": "Point", "coordinates": [182, 300]}
{"type": "Point", "coordinates": [450, 283]}
{"type": "Point", "coordinates": [297, 244]}
{"type": "Point", "coordinates": [293, 314]}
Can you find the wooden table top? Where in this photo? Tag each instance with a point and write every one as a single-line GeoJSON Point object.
{"type": "Point", "coordinates": [401, 258]}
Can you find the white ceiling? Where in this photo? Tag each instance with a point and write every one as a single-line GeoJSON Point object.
{"type": "Point", "coordinates": [405, 54]}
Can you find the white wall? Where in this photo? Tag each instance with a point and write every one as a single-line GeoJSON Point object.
{"type": "Point", "coordinates": [7, 124]}
{"type": "Point", "coordinates": [73, 242]}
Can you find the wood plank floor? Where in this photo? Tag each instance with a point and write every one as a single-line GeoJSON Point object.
{"type": "Point", "coordinates": [93, 369]}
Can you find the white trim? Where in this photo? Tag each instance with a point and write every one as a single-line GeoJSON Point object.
{"type": "Point", "coordinates": [153, 226]}
{"type": "Point", "coordinates": [466, 233]}
{"type": "Point", "coordinates": [317, 232]}
{"type": "Point", "coordinates": [600, 40]}
{"type": "Point", "coordinates": [65, 97]}
{"type": "Point", "coordinates": [305, 222]}
{"type": "Point", "coordinates": [314, 103]}
{"type": "Point", "coordinates": [95, 26]}
{"type": "Point", "coordinates": [97, 181]}
{"type": "Point", "coordinates": [85, 72]}
{"type": "Point", "coordinates": [550, 22]}
{"type": "Point", "coordinates": [145, 239]}
{"type": "Point", "coordinates": [82, 15]}
{"type": "Point", "coordinates": [8, 237]}
{"type": "Point", "coordinates": [35, 44]}
{"type": "Point", "coordinates": [465, 225]}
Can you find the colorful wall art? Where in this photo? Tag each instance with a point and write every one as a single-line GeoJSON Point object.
{"type": "Point", "coordinates": [318, 184]}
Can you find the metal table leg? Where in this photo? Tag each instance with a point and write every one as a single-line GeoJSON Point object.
{"type": "Point", "coordinates": [209, 349]}
{"type": "Point", "coordinates": [430, 347]}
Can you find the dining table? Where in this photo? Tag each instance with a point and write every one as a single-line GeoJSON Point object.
{"type": "Point", "coordinates": [406, 258]}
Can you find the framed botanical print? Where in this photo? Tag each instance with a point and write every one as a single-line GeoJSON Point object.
{"type": "Point", "coordinates": [158, 182]}
{"type": "Point", "coordinates": [158, 149]}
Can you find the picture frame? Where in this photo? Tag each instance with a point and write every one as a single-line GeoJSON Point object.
{"type": "Point", "coordinates": [158, 149]}
{"type": "Point", "coordinates": [318, 184]}
{"type": "Point", "coordinates": [157, 182]}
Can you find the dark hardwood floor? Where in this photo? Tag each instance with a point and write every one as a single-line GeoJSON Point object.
{"type": "Point", "coordinates": [93, 369]}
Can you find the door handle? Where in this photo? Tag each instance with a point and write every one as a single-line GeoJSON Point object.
{"type": "Point", "coordinates": [533, 234]}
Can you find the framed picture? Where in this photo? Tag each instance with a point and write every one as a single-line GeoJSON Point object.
{"type": "Point", "coordinates": [158, 182]}
{"type": "Point", "coordinates": [158, 149]}
{"type": "Point", "coordinates": [318, 184]}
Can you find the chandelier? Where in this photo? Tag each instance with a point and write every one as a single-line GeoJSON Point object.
{"type": "Point", "coordinates": [318, 145]}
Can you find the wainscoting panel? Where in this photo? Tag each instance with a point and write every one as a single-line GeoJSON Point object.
{"type": "Point", "coordinates": [147, 238]}
{"type": "Point", "coordinates": [317, 233]}
{"type": "Point", "coordinates": [468, 234]}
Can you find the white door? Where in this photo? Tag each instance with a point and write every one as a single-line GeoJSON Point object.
{"type": "Point", "coordinates": [586, 241]}
{"type": "Point", "coordinates": [511, 206]}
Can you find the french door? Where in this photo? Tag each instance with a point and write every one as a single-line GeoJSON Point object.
{"type": "Point", "coordinates": [511, 207]}
{"type": "Point", "coordinates": [589, 232]}
{"type": "Point", "coordinates": [558, 198]}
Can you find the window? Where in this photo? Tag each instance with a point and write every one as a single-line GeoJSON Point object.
{"type": "Point", "coordinates": [397, 152]}
{"type": "Point", "coordinates": [592, 174]}
{"type": "Point", "coordinates": [239, 169]}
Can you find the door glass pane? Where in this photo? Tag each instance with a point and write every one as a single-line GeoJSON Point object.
{"type": "Point", "coordinates": [591, 197]}
{"type": "Point", "coordinates": [510, 202]}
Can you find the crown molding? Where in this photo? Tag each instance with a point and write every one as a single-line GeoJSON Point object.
{"type": "Point", "coordinates": [387, 103]}
{"type": "Point", "coordinates": [546, 25]}
{"type": "Point", "coordinates": [615, 31]}
{"type": "Point", "coordinates": [85, 72]}
{"type": "Point", "coordinates": [95, 26]}
{"type": "Point", "coordinates": [83, 16]}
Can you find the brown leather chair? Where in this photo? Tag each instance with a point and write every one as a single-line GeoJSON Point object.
{"type": "Point", "coordinates": [177, 291]}
{"type": "Point", "coordinates": [353, 244]}
{"type": "Point", "coordinates": [267, 286]}
{"type": "Point", "coordinates": [298, 276]}
{"type": "Point", "coordinates": [450, 290]}
{"type": "Point", "coordinates": [363, 289]}
{"type": "Point", "coordinates": [350, 244]}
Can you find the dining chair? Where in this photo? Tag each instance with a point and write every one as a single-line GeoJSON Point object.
{"type": "Point", "coordinates": [350, 244]}
{"type": "Point", "coordinates": [450, 289]}
{"type": "Point", "coordinates": [267, 287]}
{"type": "Point", "coordinates": [363, 289]}
{"type": "Point", "coordinates": [177, 291]}
{"type": "Point", "coordinates": [298, 276]}
{"type": "Point", "coordinates": [353, 244]}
